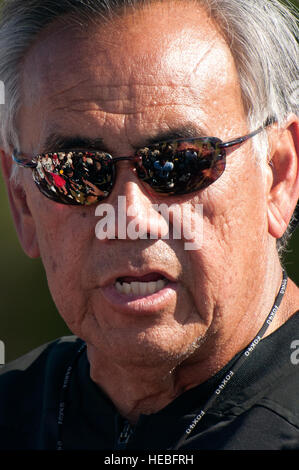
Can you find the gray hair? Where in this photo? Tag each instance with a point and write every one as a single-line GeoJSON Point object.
{"type": "Point", "coordinates": [262, 35]}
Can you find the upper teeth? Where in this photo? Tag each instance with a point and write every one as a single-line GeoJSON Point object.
{"type": "Point", "coordinates": [140, 288]}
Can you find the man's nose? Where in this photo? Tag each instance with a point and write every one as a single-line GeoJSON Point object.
{"type": "Point", "coordinates": [131, 212]}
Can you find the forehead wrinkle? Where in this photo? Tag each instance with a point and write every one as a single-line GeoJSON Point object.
{"type": "Point", "coordinates": [68, 89]}
{"type": "Point", "coordinates": [138, 98]}
{"type": "Point", "coordinates": [211, 45]}
{"type": "Point", "coordinates": [99, 55]}
{"type": "Point", "coordinates": [129, 90]}
{"type": "Point", "coordinates": [127, 100]}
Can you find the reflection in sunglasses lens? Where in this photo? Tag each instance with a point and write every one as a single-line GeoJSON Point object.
{"type": "Point", "coordinates": [182, 167]}
{"type": "Point", "coordinates": [173, 168]}
{"type": "Point", "coordinates": [76, 177]}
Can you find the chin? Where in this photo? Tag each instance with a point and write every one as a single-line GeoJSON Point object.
{"type": "Point", "coordinates": [160, 348]}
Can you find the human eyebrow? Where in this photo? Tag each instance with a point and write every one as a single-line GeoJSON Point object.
{"type": "Point", "coordinates": [55, 143]}
{"type": "Point", "coordinates": [187, 131]}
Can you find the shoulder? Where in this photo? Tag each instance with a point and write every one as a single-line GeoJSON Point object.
{"type": "Point", "coordinates": [281, 356]}
{"type": "Point", "coordinates": [276, 378]}
{"type": "Point", "coordinates": [26, 383]}
{"type": "Point", "coordinates": [39, 357]}
{"type": "Point", "coordinates": [282, 396]}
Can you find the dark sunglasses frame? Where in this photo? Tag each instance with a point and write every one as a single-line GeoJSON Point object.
{"type": "Point", "coordinates": [219, 149]}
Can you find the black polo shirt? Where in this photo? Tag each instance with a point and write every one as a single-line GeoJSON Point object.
{"type": "Point", "coordinates": [258, 410]}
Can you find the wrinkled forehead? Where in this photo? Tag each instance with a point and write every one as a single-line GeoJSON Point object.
{"type": "Point", "coordinates": [142, 59]}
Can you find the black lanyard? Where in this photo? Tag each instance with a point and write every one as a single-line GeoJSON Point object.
{"type": "Point", "coordinates": [222, 385]}
{"type": "Point", "coordinates": [229, 375]}
{"type": "Point", "coordinates": [66, 382]}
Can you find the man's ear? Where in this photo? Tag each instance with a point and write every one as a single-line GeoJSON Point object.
{"type": "Point", "coordinates": [22, 216]}
{"type": "Point", "coordinates": [284, 187]}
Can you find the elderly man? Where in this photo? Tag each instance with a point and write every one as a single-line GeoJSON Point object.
{"type": "Point", "coordinates": [172, 348]}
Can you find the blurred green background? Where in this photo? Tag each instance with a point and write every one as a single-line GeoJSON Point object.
{"type": "Point", "coordinates": [28, 316]}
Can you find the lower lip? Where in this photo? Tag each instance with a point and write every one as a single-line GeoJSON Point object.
{"type": "Point", "coordinates": [142, 305]}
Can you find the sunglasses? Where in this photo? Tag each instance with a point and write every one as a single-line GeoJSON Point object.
{"type": "Point", "coordinates": [175, 167]}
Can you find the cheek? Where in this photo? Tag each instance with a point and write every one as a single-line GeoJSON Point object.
{"type": "Point", "coordinates": [61, 246]}
{"type": "Point", "coordinates": [234, 241]}
{"type": "Point", "coordinates": [236, 206]}
{"type": "Point", "coordinates": [63, 235]}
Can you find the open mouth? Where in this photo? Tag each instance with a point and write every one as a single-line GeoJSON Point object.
{"type": "Point", "coordinates": [140, 294]}
{"type": "Point", "coordinates": [145, 285]}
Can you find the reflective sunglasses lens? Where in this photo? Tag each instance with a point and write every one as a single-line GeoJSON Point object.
{"type": "Point", "coordinates": [77, 178]}
{"type": "Point", "coordinates": [181, 167]}
{"type": "Point", "coordinates": [84, 178]}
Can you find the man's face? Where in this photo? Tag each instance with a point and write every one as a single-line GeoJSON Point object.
{"type": "Point", "coordinates": [126, 83]}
